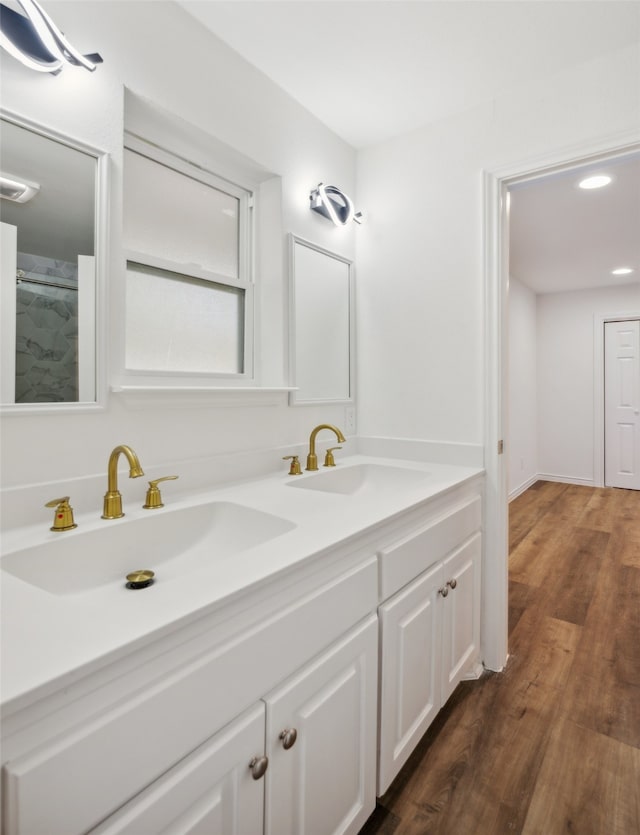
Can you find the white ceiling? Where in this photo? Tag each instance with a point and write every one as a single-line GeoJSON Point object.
{"type": "Point", "coordinates": [374, 69]}
{"type": "Point", "coordinates": [565, 238]}
{"type": "Point", "coordinates": [371, 70]}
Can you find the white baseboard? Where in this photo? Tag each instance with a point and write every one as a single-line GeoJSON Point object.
{"type": "Point", "coordinates": [566, 479]}
{"type": "Point", "coordinates": [517, 491]}
{"type": "Point", "coordinates": [563, 479]}
{"type": "Point", "coordinates": [475, 672]}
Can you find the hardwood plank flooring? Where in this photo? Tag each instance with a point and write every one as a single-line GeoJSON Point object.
{"type": "Point", "coordinates": [551, 745]}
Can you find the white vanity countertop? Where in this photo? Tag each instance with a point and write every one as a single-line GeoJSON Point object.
{"type": "Point", "coordinates": [50, 639]}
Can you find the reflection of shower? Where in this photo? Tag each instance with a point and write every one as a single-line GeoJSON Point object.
{"type": "Point", "coordinates": [46, 331]}
{"type": "Point", "coordinates": [21, 277]}
{"type": "Point", "coordinates": [47, 326]}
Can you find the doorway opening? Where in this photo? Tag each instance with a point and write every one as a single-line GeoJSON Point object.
{"type": "Point", "coordinates": [565, 244]}
{"type": "Point", "coordinates": [497, 186]}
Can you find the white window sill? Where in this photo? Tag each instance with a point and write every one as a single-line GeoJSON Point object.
{"type": "Point", "coordinates": [178, 397]}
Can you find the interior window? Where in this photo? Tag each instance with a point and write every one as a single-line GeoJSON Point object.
{"type": "Point", "coordinates": [197, 326]}
{"type": "Point", "coordinates": [189, 285]}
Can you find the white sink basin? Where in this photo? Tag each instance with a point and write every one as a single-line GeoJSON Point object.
{"type": "Point", "coordinates": [362, 477]}
{"type": "Point", "coordinates": [170, 543]}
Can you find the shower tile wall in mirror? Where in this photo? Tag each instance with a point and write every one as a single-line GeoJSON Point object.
{"type": "Point", "coordinates": [46, 330]}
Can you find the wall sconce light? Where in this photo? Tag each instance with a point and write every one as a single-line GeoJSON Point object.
{"type": "Point", "coordinates": [16, 190]}
{"type": "Point", "coordinates": [334, 204]}
{"type": "Point", "coordinates": [37, 42]}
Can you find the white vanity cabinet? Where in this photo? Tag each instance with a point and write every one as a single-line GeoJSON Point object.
{"type": "Point", "coordinates": [280, 707]}
{"type": "Point", "coordinates": [318, 771]}
{"type": "Point", "coordinates": [429, 629]}
{"type": "Point", "coordinates": [164, 741]}
{"type": "Point", "coordinates": [323, 783]}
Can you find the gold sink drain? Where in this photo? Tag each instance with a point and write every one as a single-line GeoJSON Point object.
{"type": "Point", "coordinates": [140, 579]}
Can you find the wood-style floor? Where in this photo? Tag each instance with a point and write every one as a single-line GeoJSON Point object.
{"type": "Point", "coordinates": [552, 744]}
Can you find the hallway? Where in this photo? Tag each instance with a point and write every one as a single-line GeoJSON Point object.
{"type": "Point", "coordinates": [552, 744]}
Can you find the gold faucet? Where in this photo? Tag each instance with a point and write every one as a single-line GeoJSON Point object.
{"type": "Point", "coordinates": [312, 458]}
{"type": "Point", "coordinates": [112, 498]}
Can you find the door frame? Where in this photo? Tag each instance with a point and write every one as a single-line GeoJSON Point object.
{"type": "Point", "coordinates": [599, 321]}
{"type": "Point", "coordinates": [496, 182]}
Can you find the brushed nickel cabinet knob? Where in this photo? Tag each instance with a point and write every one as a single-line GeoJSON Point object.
{"type": "Point", "coordinates": [288, 737]}
{"type": "Point", "coordinates": [452, 583]}
{"type": "Point", "coordinates": [444, 591]}
{"type": "Point", "coordinates": [258, 766]}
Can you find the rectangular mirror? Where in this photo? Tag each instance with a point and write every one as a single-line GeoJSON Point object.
{"type": "Point", "coordinates": [322, 325]}
{"type": "Point", "coordinates": [52, 188]}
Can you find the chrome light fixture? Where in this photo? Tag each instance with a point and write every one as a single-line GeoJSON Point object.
{"type": "Point", "coordinates": [334, 204]}
{"type": "Point", "coordinates": [34, 40]}
{"type": "Point", "coordinates": [19, 191]}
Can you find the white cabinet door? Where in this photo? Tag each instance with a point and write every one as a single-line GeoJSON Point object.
{"type": "Point", "coordinates": [210, 792]}
{"type": "Point", "coordinates": [410, 635]}
{"type": "Point", "coordinates": [324, 784]}
{"type": "Point", "coordinates": [460, 614]}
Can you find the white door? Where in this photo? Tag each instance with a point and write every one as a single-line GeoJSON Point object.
{"type": "Point", "coordinates": [622, 404]}
{"type": "Point", "coordinates": [321, 741]}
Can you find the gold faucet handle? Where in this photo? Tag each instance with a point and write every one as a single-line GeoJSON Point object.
{"type": "Point", "coordinates": [154, 498]}
{"type": "Point", "coordinates": [329, 460]}
{"type": "Point", "coordinates": [63, 517]}
{"type": "Point", "coordinates": [295, 468]}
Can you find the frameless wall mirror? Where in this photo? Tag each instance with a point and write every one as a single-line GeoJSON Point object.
{"type": "Point", "coordinates": [52, 188]}
{"type": "Point", "coordinates": [322, 343]}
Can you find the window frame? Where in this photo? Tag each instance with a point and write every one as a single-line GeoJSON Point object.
{"type": "Point", "coordinates": [245, 281]}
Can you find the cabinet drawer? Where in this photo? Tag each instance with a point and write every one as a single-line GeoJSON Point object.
{"type": "Point", "coordinates": [406, 559]}
{"type": "Point", "coordinates": [72, 783]}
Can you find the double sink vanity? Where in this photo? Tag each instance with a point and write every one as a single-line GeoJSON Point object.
{"type": "Point", "coordinates": [300, 634]}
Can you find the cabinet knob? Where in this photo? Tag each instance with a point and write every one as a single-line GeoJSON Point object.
{"type": "Point", "coordinates": [288, 737]}
{"type": "Point", "coordinates": [258, 766]}
{"type": "Point", "coordinates": [452, 583]}
{"type": "Point", "coordinates": [444, 591]}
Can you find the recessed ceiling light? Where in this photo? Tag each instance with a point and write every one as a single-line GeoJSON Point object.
{"type": "Point", "coordinates": [597, 181]}
{"type": "Point", "coordinates": [622, 271]}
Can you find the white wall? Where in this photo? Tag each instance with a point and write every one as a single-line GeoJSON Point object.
{"type": "Point", "coordinates": [522, 435]}
{"type": "Point", "coordinates": [159, 52]}
{"type": "Point", "coordinates": [566, 385]}
{"type": "Point", "coordinates": [420, 258]}
{"type": "Point", "coordinates": [552, 384]}
{"type": "Point", "coordinates": [419, 268]}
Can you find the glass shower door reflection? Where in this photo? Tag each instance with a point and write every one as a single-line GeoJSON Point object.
{"type": "Point", "coordinates": [48, 323]}
{"type": "Point", "coordinates": [46, 342]}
